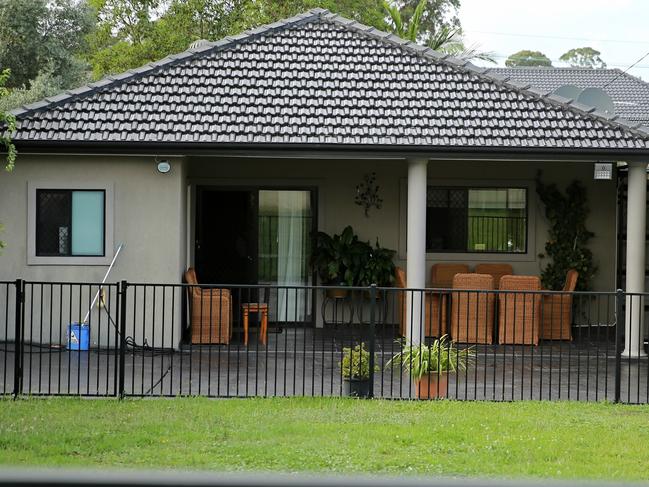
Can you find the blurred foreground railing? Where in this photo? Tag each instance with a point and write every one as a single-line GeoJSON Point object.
{"type": "Point", "coordinates": [241, 341]}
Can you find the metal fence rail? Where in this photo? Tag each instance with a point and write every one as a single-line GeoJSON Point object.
{"type": "Point", "coordinates": [182, 340]}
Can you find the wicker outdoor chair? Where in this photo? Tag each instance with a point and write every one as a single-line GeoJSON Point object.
{"type": "Point", "coordinates": [556, 311]}
{"type": "Point", "coordinates": [495, 270]}
{"type": "Point", "coordinates": [441, 275]}
{"type": "Point", "coordinates": [434, 314]}
{"type": "Point", "coordinates": [210, 311]}
{"type": "Point", "coordinates": [472, 313]}
{"type": "Point", "coordinates": [519, 314]}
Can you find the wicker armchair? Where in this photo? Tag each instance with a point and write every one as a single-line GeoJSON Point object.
{"type": "Point", "coordinates": [434, 314]}
{"type": "Point", "coordinates": [519, 314]}
{"type": "Point", "coordinates": [472, 313]}
{"type": "Point", "coordinates": [210, 311]}
{"type": "Point", "coordinates": [495, 270]}
{"type": "Point", "coordinates": [556, 311]}
{"type": "Point", "coordinates": [441, 275]}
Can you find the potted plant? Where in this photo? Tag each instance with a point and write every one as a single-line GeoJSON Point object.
{"type": "Point", "coordinates": [429, 365]}
{"type": "Point", "coordinates": [338, 259]}
{"type": "Point", "coordinates": [355, 369]}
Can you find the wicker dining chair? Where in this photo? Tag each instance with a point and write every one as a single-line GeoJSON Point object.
{"type": "Point", "coordinates": [556, 311]}
{"type": "Point", "coordinates": [495, 270]}
{"type": "Point", "coordinates": [441, 275]}
{"type": "Point", "coordinates": [519, 314]}
{"type": "Point", "coordinates": [472, 311]}
{"type": "Point", "coordinates": [210, 312]}
{"type": "Point", "coordinates": [434, 313]}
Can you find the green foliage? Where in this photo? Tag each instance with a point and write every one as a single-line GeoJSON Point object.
{"type": "Point", "coordinates": [445, 37]}
{"type": "Point", "coordinates": [7, 125]}
{"type": "Point", "coordinates": [356, 363]}
{"type": "Point", "coordinates": [434, 16]}
{"type": "Point", "coordinates": [528, 58]}
{"type": "Point", "coordinates": [131, 33]}
{"type": "Point", "coordinates": [43, 35]}
{"type": "Point", "coordinates": [568, 237]}
{"type": "Point", "coordinates": [378, 267]}
{"type": "Point", "coordinates": [345, 260]}
{"type": "Point", "coordinates": [440, 356]}
{"type": "Point", "coordinates": [583, 57]}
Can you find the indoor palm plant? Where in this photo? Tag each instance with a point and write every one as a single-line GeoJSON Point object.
{"type": "Point", "coordinates": [429, 365]}
{"type": "Point", "coordinates": [355, 369]}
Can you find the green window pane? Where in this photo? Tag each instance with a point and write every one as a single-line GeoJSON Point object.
{"type": "Point", "coordinates": [87, 223]}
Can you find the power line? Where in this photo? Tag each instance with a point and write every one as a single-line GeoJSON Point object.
{"type": "Point", "coordinates": [511, 34]}
{"type": "Point", "coordinates": [623, 72]}
{"type": "Point", "coordinates": [615, 65]}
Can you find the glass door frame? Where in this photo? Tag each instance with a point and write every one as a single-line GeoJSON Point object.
{"type": "Point", "coordinates": [256, 188]}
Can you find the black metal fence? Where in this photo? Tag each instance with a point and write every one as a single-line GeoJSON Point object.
{"type": "Point", "coordinates": [128, 339]}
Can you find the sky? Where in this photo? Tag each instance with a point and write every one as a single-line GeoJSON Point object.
{"type": "Point", "coordinates": [617, 28]}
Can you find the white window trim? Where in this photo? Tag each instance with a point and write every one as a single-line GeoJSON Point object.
{"type": "Point", "coordinates": [529, 256]}
{"type": "Point", "coordinates": [33, 259]}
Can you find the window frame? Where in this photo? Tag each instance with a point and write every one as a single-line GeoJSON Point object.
{"type": "Point", "coordinates": [34, 259]}
{"type": "Point", "coordinates": [497, 186]}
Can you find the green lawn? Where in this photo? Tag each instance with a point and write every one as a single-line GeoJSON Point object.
{"type": "Point", "coordinates": [525, 439]}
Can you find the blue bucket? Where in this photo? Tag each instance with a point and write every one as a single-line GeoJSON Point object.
{"type": "Point", "coordinates": [78, 336]}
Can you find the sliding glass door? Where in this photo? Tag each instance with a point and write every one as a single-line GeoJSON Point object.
{"type": "Point", "coordinates": [285, 225]}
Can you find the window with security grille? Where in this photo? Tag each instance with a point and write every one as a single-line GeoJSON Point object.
{"type": "Point", "coordinates": [476, 220]}
{"type": "Point", "coordinates": [70, 222]}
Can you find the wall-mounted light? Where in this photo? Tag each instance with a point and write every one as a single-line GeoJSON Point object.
{"type": "Point", "coordinates": [603, 171]}
{"type": "Point", "coordinates": [163, 167]}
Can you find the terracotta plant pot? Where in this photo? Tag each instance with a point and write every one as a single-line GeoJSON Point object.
{"type": "Point", "coordinates": [432, 386]}
{"type": "Point", "coordinates": [337, 293]}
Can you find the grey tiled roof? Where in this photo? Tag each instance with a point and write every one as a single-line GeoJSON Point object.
{"type": "Point", "coordinates": [321, 79]}
{"type": "Point", "coordinates": [630, 95]}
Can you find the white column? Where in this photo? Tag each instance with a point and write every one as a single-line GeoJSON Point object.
{"type": "Point", "coordinates": [635, 258]}
{"type": "Point", "coordinates": [416, 248]}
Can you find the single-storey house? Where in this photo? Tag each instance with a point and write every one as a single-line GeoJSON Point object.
{"type": "Point", "coordinates": [187, 160]}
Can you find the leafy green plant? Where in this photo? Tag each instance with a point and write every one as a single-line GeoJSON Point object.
{"type": "Point", "coordinates": [568, 237]}
{"type": "Point", "coordinates": [440, 356]}
{"type": "Point", "coordinates": [355, 363]}
{"type": "Point", "coordinates": [338, 259]}
{"type": "Point", "coordinates": [378, 268]}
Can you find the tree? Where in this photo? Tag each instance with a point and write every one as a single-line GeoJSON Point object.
{"type": "Point", "coordinates": [40, 35]}
{"type": "Point", "coordinates": [131, 33]}
{"type": "Point", "coordinates": [528, 58]}
{"type": "Point", "coordinates": [7, 125]}
{"type": "Point", "coordinates": [436, 15]}
{"type": "Point", "coordinates": [447, 39]}
{"type": "Point", "coordinates": [583, 57]}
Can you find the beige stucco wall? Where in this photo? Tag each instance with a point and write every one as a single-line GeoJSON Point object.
{"type": "Point", "coordinates": [153, 215]}
{"type": "Point", "coordinates": [336, 181]}
{"type": "Point", "coordinates": [149, 216]}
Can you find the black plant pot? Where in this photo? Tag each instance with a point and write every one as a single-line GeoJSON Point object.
{"type": "Point", "coordinates": [356, 387]}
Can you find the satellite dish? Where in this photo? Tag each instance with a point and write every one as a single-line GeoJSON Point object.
{"type": "Point", "coordinates": [598, 98]}
{"type": "Point", "coordinates": [568, 91]}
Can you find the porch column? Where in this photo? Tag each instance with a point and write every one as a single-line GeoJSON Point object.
{"type": "Point", "coordinates": [635, 258]}
{"type": "Point", "coordinates": [416, 247]}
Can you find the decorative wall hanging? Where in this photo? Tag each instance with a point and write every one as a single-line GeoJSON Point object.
{"type": "Point", "coordinates": [367, 194]}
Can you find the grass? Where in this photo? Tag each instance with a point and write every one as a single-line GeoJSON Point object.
{"type": "Point", "coordinates": [524, 439]}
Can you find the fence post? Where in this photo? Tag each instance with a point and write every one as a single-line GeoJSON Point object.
{"type": "Point", "coordinates": [18, 337]}
{"type": "Point", "coordinates": [122, 337]}
{"type": "Point", "coordinates": [372, 337]}
{"type": "Point", "coordinates": [619, 340]}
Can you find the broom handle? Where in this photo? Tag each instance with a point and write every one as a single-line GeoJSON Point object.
{"type": "Point", "coordinates": [110, 267]}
